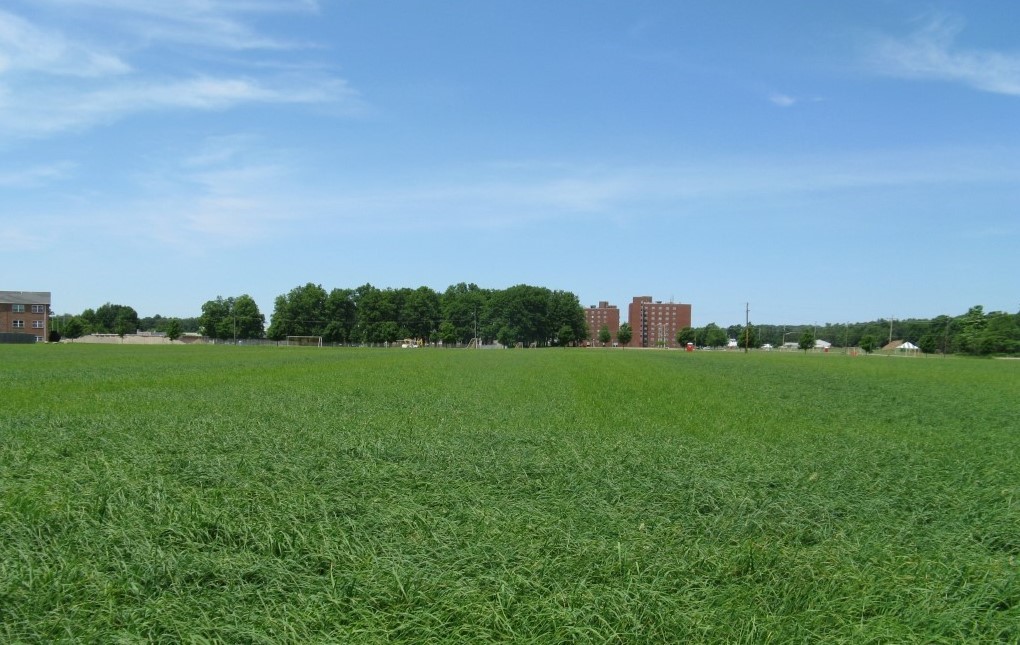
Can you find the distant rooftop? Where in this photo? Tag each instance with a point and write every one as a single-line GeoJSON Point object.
{"type": "Point", "coordinates": [25, 297]}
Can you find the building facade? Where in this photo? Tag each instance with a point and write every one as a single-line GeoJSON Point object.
{"type": "Point", "coordinates": [656, 323]}
{"type": "Point", "coordinates": [605, 315]}
{"type": "Point", "coordinates": [24, 313]}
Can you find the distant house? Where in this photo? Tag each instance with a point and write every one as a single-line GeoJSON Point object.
{"type": "Point", "coordinates": [823, 345]}
{"type": "Point", "coordinates": [24, 316]}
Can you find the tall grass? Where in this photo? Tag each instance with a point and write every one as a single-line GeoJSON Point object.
{"type": "Point", "coordinates": [265, 494]}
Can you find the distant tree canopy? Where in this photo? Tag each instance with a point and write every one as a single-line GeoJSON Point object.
{"type": "Point", "coordinates": [109, 319]}
{"type": "Point", "coordinates": [976, 333]}
{"type": "Point", "coordinates": [232, 318]}
{"type": "Point", "coordinates": [522, 314]}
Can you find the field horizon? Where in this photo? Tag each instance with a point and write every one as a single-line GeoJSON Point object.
{"type": "Point", "coordinates": [229, 493]}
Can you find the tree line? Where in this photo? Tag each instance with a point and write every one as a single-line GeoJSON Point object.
{"type": "Point", "coordinates": [975, 333]}
{"type": "Point", "coordinates": [522, 314]}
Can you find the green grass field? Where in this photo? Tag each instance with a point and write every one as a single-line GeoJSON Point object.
{"type": "Point", "coordinates": [287, 494]}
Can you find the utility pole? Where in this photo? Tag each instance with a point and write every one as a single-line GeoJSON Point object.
{"type": "Point", "coordinates": [747, 326]}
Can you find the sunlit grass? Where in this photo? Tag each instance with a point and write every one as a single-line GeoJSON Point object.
{"type": "Point", "coordinates": [247, 494]}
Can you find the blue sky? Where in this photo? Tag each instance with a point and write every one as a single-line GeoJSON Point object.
{"type": "Point", "coordinates": [822, 161]}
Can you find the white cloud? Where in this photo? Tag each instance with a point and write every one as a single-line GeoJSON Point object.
{"type": "Point", "coordinates": [35, 112]}
{"type": "Point", "coordinates": [208, 23]}
{"type": "Point", "coordinates": [35, 176]}
{"type": "Point", "coordinates": [931, 53]}
{"type": "Point", "coordinates": [25, 47]}
{"type": "Point", "coordinates": [782, 100]}
{"type": "Point", "coordinates": [99, 86]}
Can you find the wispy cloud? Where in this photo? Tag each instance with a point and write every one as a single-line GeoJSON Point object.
{"type": "Point", "coordinates": [27, 48]}
{"type": "Point", "coordinates": [208, 23]}
{"type": "Point", "coordinates": [782, 100]}
{"type": "Point", "coordinates": [931, 52]}
{"type": "Point", "coordinates": [34, 176]}
{"type": "Point", "coordinates": [34, 112]}
{"type": "Point", "coordinates": [52, 81]}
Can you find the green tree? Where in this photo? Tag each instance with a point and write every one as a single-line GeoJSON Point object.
{"type": "Point", "coordinates": [75, 328]}
{"type": "Point", "coordinates": [625, 335]}
{"type": "Point", "coordinates": [378, 311]}
{"type": "Point", "coordinates": [713, 336]}
{"type": "Point", "coordinates": [519, 314]}
{"type": "Point", "coordinates": [686, 335]}
{"type": "Point", "coordinates": [565, 336]}
{"type": "Point", "coordinates": [807, 340]}
{"type": "Point", "coordinates": [250, 321]}
{"type": "Point", "coordinates": [565, 311]}
{"type": "Point", "coordinates": [173, 330]}
{"type": "Point", "coordinates": [232, 318]}
{"type": "Point", "coordinates": [463, 306]}
{"type": "Point", "coordinates": [112, 319]}
{"type": "Point", "coordinates": [448, 333]}
{"type": "Point", "coordinates": [928, 343]}
{"type": "Point", "coordinates": [124, 324]}
{"type": "Point", "coordinates": [605, 336]}
{"type": "Point", "coordinates": [868, 343]}
{"type": "Point", "coordinates": [341, 316]}
{"type": "Point", "coordinates": [971, 327]}
{"type": "Point", "coordinates": [748, 337]}
{"type": "Point", "coordinates": [301, 312]}
{"type": "Point", "coordinates": [507, 336]}
{"type": "Point", "coordinates": [421, 313]}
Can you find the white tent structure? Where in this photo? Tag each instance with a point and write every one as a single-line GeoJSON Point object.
{"type": "Point", "coordinates": [908, 347]}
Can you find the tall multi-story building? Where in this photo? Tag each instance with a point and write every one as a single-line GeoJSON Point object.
{"type": "Point", "coordinates": [24, 313]}
{"type": "Point", "coordinates": [656, 323]}
{"type": "Point", "coordinates": [605, 315]}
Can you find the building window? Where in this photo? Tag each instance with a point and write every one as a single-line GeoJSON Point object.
{"type": "Point", "coordinates": [39, 339]}
{"type": "Point", "coordinates": [18, 309]}
{"type": "Point", "coordinates": [18, 324]}
{"type": "Point", "coordinates": [38, 309]}
{"type": "Point", "coordinates": [37, 324]}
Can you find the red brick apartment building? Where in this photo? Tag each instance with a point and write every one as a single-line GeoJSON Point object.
{"type": "Point", "coordinates": [24, 314]}
{"type": "Point", "coordinates": [605, 315]}
{"type": "Point", "coordinates": [655, 324]}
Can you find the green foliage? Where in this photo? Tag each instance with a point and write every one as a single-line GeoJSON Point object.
{"type": "Point", "coordinates": [625, 335]}
{"type": "Point", "coordinates": [868, 344]}
{"type": "Point", "coordinates": [301, 312]}
{"type": "Point", "coordinates": [232, 318]}
{"type": "Point", "coordinates": [565, 336]}
{"type": "Point", "coordinates": [711, 335]}
{"type": "Point", "coordinates": [605, 337]}
{"type": "Point", "coordinates": [173, 330]}
{"type": "Point", "coordinates": [748, 337]}
{"type": "Point", "coordinates": [807, 340]}
{"type": "Point", "coordinates": [74, 328]}
{"type": "Point", "coordinates": [448, 333]}
{"type": "Point", "coordinates": [110, 319]}
{"type": "Point", "coordinates": [687, 335]}
{"type": "Point", "coordinates": [224, 494]}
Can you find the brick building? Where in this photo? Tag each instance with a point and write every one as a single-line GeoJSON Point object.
{"type": "Point", "coordinates": [24, 314]}
{"type": "Point", "coordinates": [605, 315]}
{"type": "Point", "coordinates": [655, 324]}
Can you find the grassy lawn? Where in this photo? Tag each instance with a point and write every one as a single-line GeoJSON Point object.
{"type": "Point", "coordinates": [264, 494]}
